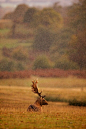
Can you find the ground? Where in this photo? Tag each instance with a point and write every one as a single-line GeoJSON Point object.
{"type": "Point", "coordinates": [14, 101]}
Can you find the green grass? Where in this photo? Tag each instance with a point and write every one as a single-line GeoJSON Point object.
{"type": "Point", "coordinates": [12, 43]}
{"type": "Point", "coordinates": [9, 43]}
{"type": "Point", "coordinates": [4, 32]}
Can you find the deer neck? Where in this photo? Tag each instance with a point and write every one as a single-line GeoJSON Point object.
{"type": "Point", "coordinates": [37, 104]}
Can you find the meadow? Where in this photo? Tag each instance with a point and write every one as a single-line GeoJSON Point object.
{"type": "Point", "coordinates": [16, 96]}
{"type": "Point", "coordinates": [12, 43]}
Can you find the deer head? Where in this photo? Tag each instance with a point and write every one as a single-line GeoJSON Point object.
{"type": "Point", "coordinates": [40, 101]}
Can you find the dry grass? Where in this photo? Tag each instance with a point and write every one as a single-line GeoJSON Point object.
{"type": "Point", "coordinates": [14, 101]}
{"type": "Point", "coordinates": [70, 82]}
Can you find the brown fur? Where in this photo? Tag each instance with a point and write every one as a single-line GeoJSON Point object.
{"type": "Point", "coordinates": [37, 106]}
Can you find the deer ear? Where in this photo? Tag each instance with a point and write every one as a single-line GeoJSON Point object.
{"type": "Point", "coordinates": [32, 81]}
{"type": "Point", "coordinates": [43, 96]}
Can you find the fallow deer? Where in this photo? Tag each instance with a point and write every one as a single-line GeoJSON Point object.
{"type": "Point", "coordinates": [37, 106]}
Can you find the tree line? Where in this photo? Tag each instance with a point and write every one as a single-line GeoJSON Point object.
{"type": "Point", "coordinates": [59, 34]}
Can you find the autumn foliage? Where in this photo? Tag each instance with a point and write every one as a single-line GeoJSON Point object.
{"type": "Point", "coordinates": [43, 73]}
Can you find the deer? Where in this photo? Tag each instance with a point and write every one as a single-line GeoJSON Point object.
{"type": "Point", "coordinates": [37, 106]}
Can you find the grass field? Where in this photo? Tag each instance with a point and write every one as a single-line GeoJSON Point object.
{"type": "Point", "coordinates": [15, 99]}
{"type": "Point", "coordinates": [12, 43]}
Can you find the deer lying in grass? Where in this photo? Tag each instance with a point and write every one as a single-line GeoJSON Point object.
{"type": "Point", "coordinates": [37, 106]}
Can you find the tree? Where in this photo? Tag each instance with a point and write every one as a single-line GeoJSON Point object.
{"type": "Point", "coordinates": [41, 62]}
{"type": "Point", "coordinates": [77, 20]}
{"type": "Point", "coordinates": [29, 16]}
{"type": "Point", "coordinates": [17, 17]}
{"type": "Point", "coordinates": [61, 40]}
{"type": "Point", "coordinates": [50, 18]}
{"type": "Point", "coordinates": [43, 39]}
{"type": "Point", "coordinates": [46, 17]}
{"type": "Point", "coordinates": [20, 54]}
{"type": "Point", "coordinates": [64, 63]}
{"type": "Point", "coordinates": [8, 15]}
{"type": "Point", "coordinates": [19, 13]}
{"type": "Point", "coordinates": [77, 49]}
{"type": "Point", "coordinates": [6, 65]}
{"type": "Point", "coordinates": [77, 15]}
{"type": "Point", "coordinates": [20, 66]}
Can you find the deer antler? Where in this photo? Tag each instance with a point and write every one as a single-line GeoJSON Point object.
{"type": "Point", "coordinates": [34, 88]}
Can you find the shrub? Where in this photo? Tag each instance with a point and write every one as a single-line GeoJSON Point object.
{"type": "Point", "coordinates": [55, 99]}
{"type": "Point", "coordinates": [64, 63]}
{"type": "Point", "coordinates": [20, 54]}
{"type": "Point", "coordinates": [20, 66]}
{"type": "Point", "coordinates": [76, 102]}
{"type": "Point", "coordinates": [10, 65]}
{"type": "Point", "coordinates": [42, 62]}
{"type": "Point", "coordinates": [6, 65]}
{"type": "Point", "coordinates": [73, 102]}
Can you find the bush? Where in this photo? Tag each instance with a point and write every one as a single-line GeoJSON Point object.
{"type": "Point", "coordinates": [76, 102]}
{"type": "Point", "coordinates": [20, 66]}
{"type": "Point", "coordinates": [42, 62]}
{"type": "Point", "coordinates": [73, 102]}
{"type": "Point", "coordinates": [55, 99]}
{"type": "Point", "coordinates": [10, 65]}
{"type": "Point", "coordinates": [6, 65]}
{"type": "Point", "coordinates": [64, 63]}
{"type": "Point", "coordinates": [20, 54]}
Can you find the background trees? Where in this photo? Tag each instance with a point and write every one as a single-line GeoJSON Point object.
{"type": "Point", "coordinates": [46, 17]}
{"type": "Point", "coordinates": [77, 50]}
{"type": "Point", "coordinates": [43, 39]}
{"type": "Point", "coordinates": [17, 17]}
{"type": "Point", "coordinates": [6, 65]}
{"type": "Point", "coordinates": [58, 32]}
{"type": "Point", "coordinates": [18, 14]}
{"type": "Point", "coordinates": [77, 15]}
{"type": "Point", "coordinates": [41, 62]}
{"type": "Point", "coordinates": [77, 18]}
{"type": "Point", "coordinates": [29, 16]}
{"type": "Point", "coordinates": [50, 18]}
{"type": "Point", "coordinates": [20, 54]}
{"type": "Point", "coordinates": [64, 63]}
